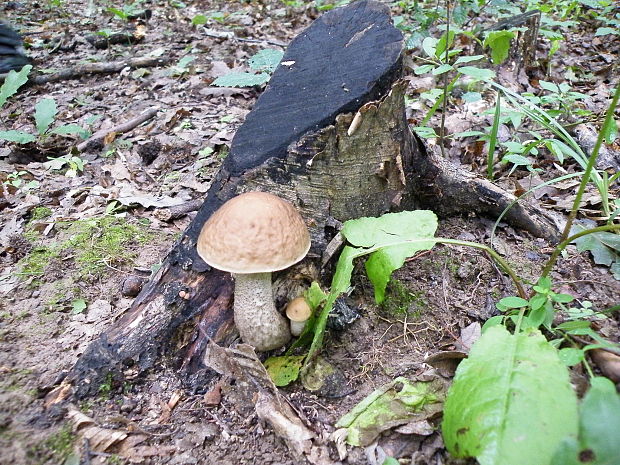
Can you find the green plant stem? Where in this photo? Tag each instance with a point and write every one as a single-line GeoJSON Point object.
{"type": "Point", "coordinates": [439, 101]}
{"type": "Point", "coordinates": [493, 137]}
{"type": "Point", "coordinates": [584, 182]}
{"type": "Point", "coordinates": [494, 255]}
{"type": "Point", "coordinates": [445, 85]}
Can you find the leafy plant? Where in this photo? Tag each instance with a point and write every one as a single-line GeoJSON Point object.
{"type": "Point", "coordinates": [13, 81]}
{"type": "Point", "coordinates": [263, 63]}
{"type": "Point", "coordinates": [15, 179]}
{"type": "Point", "coordinates": [45, 114]}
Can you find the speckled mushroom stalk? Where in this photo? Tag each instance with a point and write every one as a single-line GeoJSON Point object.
{"type": "Point", "coordinates": [251, 236]}
{"type": "Point", "coordinates": [256, 317]}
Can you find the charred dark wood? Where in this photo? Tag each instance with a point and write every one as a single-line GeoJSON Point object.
{"type": "Point", "coordinates": [330, 135]}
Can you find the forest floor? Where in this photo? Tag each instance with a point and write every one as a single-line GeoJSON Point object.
{"type": "Point", "coordinates": [76, 249]}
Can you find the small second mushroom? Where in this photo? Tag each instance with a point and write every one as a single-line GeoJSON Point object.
{"type": "Point", "coordinates": [251, 236]}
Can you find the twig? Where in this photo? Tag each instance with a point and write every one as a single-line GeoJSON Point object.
{"type": "Point", "coordinates": [178, 211]}
{"type": "Point", "coordinates": [231, 36]}
{"type": "Point", "coordinates": [77, 71]}
{"type": "Point", "coordinates": [119, 129]}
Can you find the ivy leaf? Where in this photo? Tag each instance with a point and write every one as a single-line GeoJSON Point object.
{"type": "Point", "coordinates": [511, 401]}
{"type": "Point", "coordinates": [241, 80]}
{"type": "Point", "coordinates": [499, 42]}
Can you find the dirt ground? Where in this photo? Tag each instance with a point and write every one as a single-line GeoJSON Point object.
{"type": "Point", "coordinates": [76, 249]}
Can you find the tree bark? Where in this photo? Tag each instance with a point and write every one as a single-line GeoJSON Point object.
{"type": "Point", "coordinates": [333, 141]}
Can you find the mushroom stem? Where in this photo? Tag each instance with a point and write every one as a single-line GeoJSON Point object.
{"type": "Point", "coordinates": [256, 317]}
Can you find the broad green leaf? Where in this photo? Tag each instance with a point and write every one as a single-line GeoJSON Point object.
{"type": "Point", "coordinates": [199, 20]}
{"type": "Point", "coordinates": [78, 306]}
{"type": "Point", "coordinates": [513, 302]}
{"type": "Point", "coordinates": [266, 60]}
{"type": "Point", "coordinates": [599, 427]}
{"type": "Point", "coordinates": [423, 69]}
{"type": "Point", "coordinates": [73, 128]}
{"type": "Point", "coordinates": [445, 41]}
{"type": "Point", "coordinates": [429, 45]}
{"type": "Point", "coordinates": [380, 233]}
{"type": "Point", "coordinates": [468, 59]}
{"type": "Point", "coordinates": [12, 82]}
{"type": "Point", "coordinates": [241, 80]}
{"type": "Point", "coordinates": [395, 403]}
{"type": "Point", "coordinates": [441, 69]}
{"type": "Point", "coordinates": [604, 246]}
{"type": "Point", "coordinates": [315, 295]}
{"type": "Point", "coordinates": [603, 31]}
{"type": "Point", "coordinates": [479, 74]}
{"type": "Point", "coordinates": [511, 402]}
{"type": "Point", "coordinates": [571, 356]}
{"type": "Point", "coordinates": [390, 461]}
{"type": "Point", "coordinates": [19, 137]}
{"type": "Point", "coordinates": [499, 42]}
{"type": "Point", "coordinates": [45, 112]}
{"type": "Point", "coordinates": [471, 97]}
{"type": "Point", "coordinates": [284, 370]}
{"type": "Point", "coordinates": [549, 86]}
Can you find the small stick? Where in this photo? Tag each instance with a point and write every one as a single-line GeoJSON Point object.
{"type": "Point", "coordinates": [119, 129]}
{"type": "Point", "coordinates": [77, 71]}
{"type": "Point", "coordinates": [178, 211]}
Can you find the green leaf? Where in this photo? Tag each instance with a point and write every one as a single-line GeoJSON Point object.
{"type": "Point", "coordinates": [12, 82]}
{"type": "Point", "coordinates": [478, 74]}
{"type": "Point", "coordinates": [241, 80]}
{"type": "Point", "coordinates": [266, 60]}
{"type": "Point", "coordinates": [19, 137]}
{"type": "Point", "coordinates": [73, 128]}
{"type": "Point", "coordinates": [199, 20]}
{"type": "Point", "coordinates": [429, 45]}
{"type": "Point", "coordinates": [513, 302]}
{"type": "Point", "coordinates": [284, 370]}
{"type": "Point", "coordinates": [549, 86]}
{"type": "Point", "coordinates": [604, 246]}
{"type": "Point", "coordinates": [393, 404]}
{"type": "Point", "coordinates": [423, 69]}
{"type": "Point", "coordinates": [499, 42]}
{"type": "Point", "coordinates": [381, 233]}
{"type": "Point", "coordinates": [45, 112]}
{"type": "Point", "coordinates": [468, 59]}
{"type": "Point", "coordinates": [390, 461]}
{"type": "Point", "coordinates": [571, 356]}
{"type": "Point", "coordinates": [78, 306]}
{"type": "Point", "coordinates": [511, 402]}
{"type": "Point", "coordinates": [599, 425]}
{"type": "Point", "coordinates": [445, 41]}
{"type": "Point", "coordinates": [441, 69]}
{"type": "Point", "coordinates": [603, 31]}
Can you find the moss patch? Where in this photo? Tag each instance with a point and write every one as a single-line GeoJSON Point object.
{"type": "Point", "coordinates": [94, 245]}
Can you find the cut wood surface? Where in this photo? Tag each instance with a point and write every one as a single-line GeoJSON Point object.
{"type": "Point", "coordinates": [330, 135]}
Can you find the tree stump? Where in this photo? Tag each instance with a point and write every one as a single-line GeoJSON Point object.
{"type": "Point", "coordinates": [329, 134]}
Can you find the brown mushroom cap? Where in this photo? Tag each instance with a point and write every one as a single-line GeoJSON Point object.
{"type": "Point", "coordinates": [298, 309]}
{"type": "Point", "coordinates": [255, 232]}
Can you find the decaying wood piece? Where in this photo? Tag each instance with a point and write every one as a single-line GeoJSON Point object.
{"type": "Point", "coordinates": [330, 135]}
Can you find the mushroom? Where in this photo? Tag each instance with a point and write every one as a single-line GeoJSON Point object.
{"type": "Point", "coordinates": [251, 236]}
{"type": "Point", "coordinates": [298, 311]}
